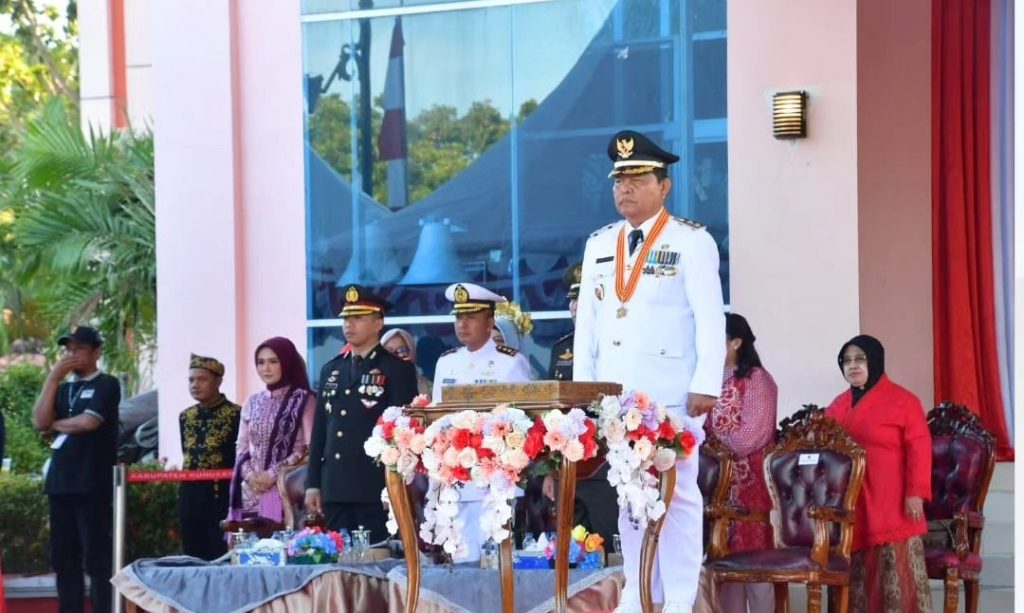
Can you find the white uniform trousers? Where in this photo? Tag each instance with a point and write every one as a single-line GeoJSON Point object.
{"type": "Point", "coordinates": [680, 549]}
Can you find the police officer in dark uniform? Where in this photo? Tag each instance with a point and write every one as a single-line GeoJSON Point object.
{"type": "Point", "coordinates": [560, 367]}
{"type": "Point", "coordinates": [343, 482]}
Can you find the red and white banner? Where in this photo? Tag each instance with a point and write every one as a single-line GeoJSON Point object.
{"type": "Point", "coordinates": [392, 146]}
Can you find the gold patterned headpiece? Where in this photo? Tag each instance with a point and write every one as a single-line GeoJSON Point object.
{"type": "Point", "coordinates": [210, 364]}
{"type": "Point", "coordinates": [511, 311]}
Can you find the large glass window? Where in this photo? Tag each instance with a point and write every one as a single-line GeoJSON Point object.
{"type": "Point", "coordinates": [465, 141]}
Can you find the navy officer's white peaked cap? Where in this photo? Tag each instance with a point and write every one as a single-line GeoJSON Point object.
{"type": "Point", "coordinates": [470, 298]}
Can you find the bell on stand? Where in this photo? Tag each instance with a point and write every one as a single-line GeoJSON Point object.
{"type": "Point", "coordinates": [379, 265]}
{"type": "Point", "coordinates": [435, 261]}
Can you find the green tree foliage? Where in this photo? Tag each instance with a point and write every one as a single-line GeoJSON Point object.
{"type": "Point", "coordinates": [84, 231]}
{"type": "Point", "coordinates": [442, 143]}
{"type": "Point", "coordinates": [19, 386]}
{"type": "Point", "coordinates": [24, 525]}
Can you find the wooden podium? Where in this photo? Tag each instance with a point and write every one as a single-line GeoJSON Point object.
{"type": "Point", "coordinates": [535, 398]}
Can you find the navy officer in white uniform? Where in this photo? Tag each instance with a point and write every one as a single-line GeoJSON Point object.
{"type": "Point", "coordinates": [478, 360]}
{"type": "Point", "coordinates": [650, 316]}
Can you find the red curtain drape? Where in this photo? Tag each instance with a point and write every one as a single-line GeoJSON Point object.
{"type": "Point", "coordinates": [966, 358]}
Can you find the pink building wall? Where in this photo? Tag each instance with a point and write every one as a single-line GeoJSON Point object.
{"type": "Point", "coordinates": [231, 215]}
{"type": "Point", "coordinates": [830, 235]}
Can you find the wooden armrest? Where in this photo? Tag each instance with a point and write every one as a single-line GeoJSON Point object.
{"type": "Point", "coordinates": [972, 519]}
{"type": "Point", "coordinates": [832, 514]}
{"type": "Point", "coordinates": [729, 512]}
{"type": "Point", "coordinates": [822, 515]}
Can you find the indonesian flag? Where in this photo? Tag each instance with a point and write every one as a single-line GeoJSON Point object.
{"type": "Point", "coordinates": [392, 145]}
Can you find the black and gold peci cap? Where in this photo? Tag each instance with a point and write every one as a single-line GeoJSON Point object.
{"type": "Point", "coordinates": [470, 298]}
{"type": "Point", "coordinates": [632, 153]}
{"type": "Point", "coordinates": [572, 278]}
{"type": "Point", "coordinates": [361, 301]}
{"type": "Point", "coordinates": [211, 364]}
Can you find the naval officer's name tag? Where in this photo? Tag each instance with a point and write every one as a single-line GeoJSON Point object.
{"type": "Point", "coordinates": [87, 394]}
{"type": "Point", "coordinates": [808, 459]}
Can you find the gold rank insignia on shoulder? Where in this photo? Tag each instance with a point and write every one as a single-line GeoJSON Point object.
{"type": "Point", "coordinates": [689, 222]}
{"type": "Point", "coordinates": [461, 294]}
{"type": "Point", "coordinates": [352, 295]}
{"type": "Point", "coordinates": [624, 147]}
{"type": "Point", "coordinates": [507, 350]}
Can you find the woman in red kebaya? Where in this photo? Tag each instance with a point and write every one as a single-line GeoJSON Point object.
{"type": "Point", "coordinates": [744, 420]}
{"type": "Point", "coordinates": [888, 573]}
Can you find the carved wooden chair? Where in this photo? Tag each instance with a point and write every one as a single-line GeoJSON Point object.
{"type": "Point", "coordinates": [814, 475]}
{"type": "Point", "coordinates": [291, 486]}
{"type": "Point", "coordinates": [963, 459]}
{"type": "Point", "coordinates": [713, 475]}
{"type": "Point", "coordinates": [797, 418]}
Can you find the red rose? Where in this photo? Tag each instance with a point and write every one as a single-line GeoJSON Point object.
{"type": "Point", "coordinates": [484, 452]}
{"type": "Point", "coordinates": [589, 446]}
{"type": "Point", "coordinates": [476, 440]}
{"type": "Point", "coordinates": [666, 431]}
{"type": "Point", "coordinates": [461, 439]}
{"type": "Point", "coordinates": [688, 441]}
{"type": "Point", "coordinates": [388, 429]}
{"type": "Point", "coordinates": [460, 473]}
{"type": "Point", "coordinates": [534, 442]}
{"type": "Point", "coordinates": [591, 427]}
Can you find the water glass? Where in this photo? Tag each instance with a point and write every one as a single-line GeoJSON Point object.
{"type": "Point", "coordinates": [617, 543]}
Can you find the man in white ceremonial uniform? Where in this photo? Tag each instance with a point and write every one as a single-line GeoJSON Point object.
{"type": "Point", "coordinates": [651, 317]}
{"type": "Point", "coordinates": [479, 360]}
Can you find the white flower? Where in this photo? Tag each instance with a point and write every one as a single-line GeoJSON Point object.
{"type": "Point", "coordinates": [516, 458]}
{"type": "Point", "coordinates": [659, 411]}
{"type": "Point", "coordinates": [632, 419]}
{"type": "Point", "coordinates": [373, 446]}
{"type": "Point", "coordinates": [610, 406]}
{"type": "Point", "coordinates": [614, 431]}
{"type": "Point", "coordinates": [389, 456]}
{"type": "Point", "coordinates": [494, 443]}
{"type": "Point", "coordinates": [467, 457]}
{"type": "Point", "coordinates": [465, 419]}
{"type": "Point", "coordinates": [574, 450]}
{"type": "Point", "coordinates": [417, 444]}
{"type": "Point", "coordinates": [430, 460]}
{"type": "Point", "coordinates": [664, 459]}
{"type": "Point", "coordinates": [407, 462]}
{"type": "Point", "coordinates": [450, 457]}
{"type": "Point", "coordinates": [553, 420]}
{"type": "Point", "coordinates": [643, 449]}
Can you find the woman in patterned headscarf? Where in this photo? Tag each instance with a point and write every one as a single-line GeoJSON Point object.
{"type": "Point", "coordinates": [275, 427]}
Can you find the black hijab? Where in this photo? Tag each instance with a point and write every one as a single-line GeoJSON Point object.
{"type": "Point", "coordinates": [873, 349]}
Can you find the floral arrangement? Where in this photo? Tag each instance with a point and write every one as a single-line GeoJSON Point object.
{"type": "Point", "coordinates": [642, 439]}
{"type": "Point", "coordinates": [581, 544]}
{"type": "Point", "coordinates": [314, 545]}
{"type": "Point", "coordinates": [570, 435]}
{"type": "Point", "coordinates": [469, 447]}
{"type": "Point", "coordinates": [397, 440]}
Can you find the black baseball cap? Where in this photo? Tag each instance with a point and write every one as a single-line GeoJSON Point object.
{"type": "Point", "coordinates": [82, 334]}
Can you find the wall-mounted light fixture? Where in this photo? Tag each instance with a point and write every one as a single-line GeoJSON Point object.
{"type": "Point", "coordinates": [789, 114]}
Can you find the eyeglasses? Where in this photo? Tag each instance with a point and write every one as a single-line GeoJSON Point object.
{"type": "Point", "coordinates": [401, 352]}
{"type": "Point", "coordinates": [854, 359]}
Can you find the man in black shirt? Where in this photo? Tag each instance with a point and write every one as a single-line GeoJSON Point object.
{"type": "Point", "coordinates": [82, 416]}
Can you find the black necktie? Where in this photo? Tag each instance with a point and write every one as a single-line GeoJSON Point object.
{"type": "Point", "coordinates": [634, 239]}
{"type": "Point", "coordinates": [357, 363]}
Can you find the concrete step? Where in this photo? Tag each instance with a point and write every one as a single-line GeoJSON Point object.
{"type": "Point", "coordinates": [997, 538]}
{"type": "Point", "coordinates": [992, 599]}
{"type": "Point", "coordinates": [997, 571]}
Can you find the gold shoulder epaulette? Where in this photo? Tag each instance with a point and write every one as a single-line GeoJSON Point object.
{"type": "Point", "coordinates": [689, 222]}
{"type": "Point", "coordinates": [449, 352]}
{"type": "Point", "coordinates": [507, 350]}
{"type": "Point", "coordinates": [600, 230]}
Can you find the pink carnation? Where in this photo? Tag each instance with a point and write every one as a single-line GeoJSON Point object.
{"type": "Point", "coordinates": [555, 440]}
